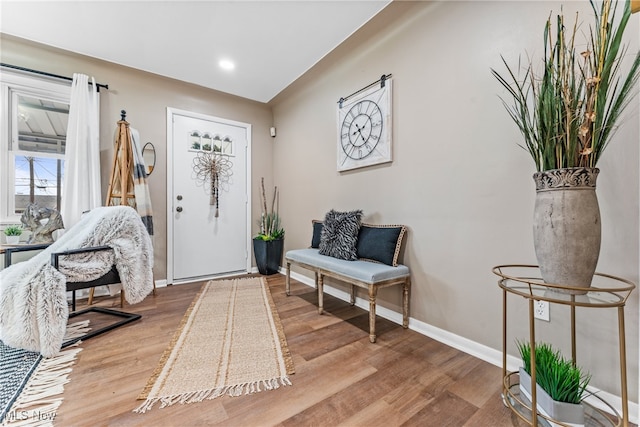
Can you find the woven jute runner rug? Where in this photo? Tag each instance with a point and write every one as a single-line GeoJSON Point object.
{"type": "Point", "coordinates": [230, 342]}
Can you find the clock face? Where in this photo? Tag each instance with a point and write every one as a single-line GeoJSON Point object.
{"type": "Point", "coordinates": [361, 129]}
{"type": "Point", "coordinates": [364, 128]}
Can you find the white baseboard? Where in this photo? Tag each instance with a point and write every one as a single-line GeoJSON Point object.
{"type": "Point", "coordinates": [161, 283]}
{"type": "Point", "coordinates": [465, 345]}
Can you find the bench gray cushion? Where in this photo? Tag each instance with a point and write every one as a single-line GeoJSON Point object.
{"type": "Point", "coordinates": [365, 271]}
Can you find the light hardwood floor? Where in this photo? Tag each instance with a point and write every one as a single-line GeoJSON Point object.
{"type": "Point", "coordinates": [341, 378]}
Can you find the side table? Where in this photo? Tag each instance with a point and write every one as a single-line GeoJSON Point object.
{"type": "Point", "coordinates": [9, 250]}
{"type": "Point", "coordinates": [606, 292]}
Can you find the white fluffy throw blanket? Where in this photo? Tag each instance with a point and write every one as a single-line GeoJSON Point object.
{"type": "Point", "coordinates": [33, 297]}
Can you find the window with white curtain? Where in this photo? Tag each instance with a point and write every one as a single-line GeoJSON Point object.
{"type": "Point", "coordinates": [33, 113]}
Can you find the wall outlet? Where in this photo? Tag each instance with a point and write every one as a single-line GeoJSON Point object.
{"type": "Point", "coordinates": [541, 310]}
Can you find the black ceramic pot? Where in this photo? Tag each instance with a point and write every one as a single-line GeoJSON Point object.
{"type": "Point", "coordinates": [268, 255]}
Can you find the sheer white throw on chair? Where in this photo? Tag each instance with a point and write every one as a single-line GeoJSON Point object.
{"type": "Point", "coordinates": [81, 182]}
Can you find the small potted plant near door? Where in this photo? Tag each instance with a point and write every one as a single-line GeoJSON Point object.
{"type": "Point", "coordinates": [12, 234]}
{"type": "Point", "coordinates": [268, 245]}
{"type": "Point", "coordinates": [560, 384]}
{"type": "Point", "coordinates": [567, 109]}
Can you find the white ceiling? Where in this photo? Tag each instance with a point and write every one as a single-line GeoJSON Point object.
{"type": "Point", "coordinates": [271, 42]}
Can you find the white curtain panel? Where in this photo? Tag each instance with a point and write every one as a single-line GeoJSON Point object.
{"type": "Point", "coordinates": [81, 189]}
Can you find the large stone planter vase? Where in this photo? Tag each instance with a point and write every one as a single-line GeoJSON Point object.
{"type": "Point", "coordinates": [566, 226]}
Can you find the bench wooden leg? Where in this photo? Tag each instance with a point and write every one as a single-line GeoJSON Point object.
{"type": "Point", "coordinates": [373, 291]}
{"type": "Point", "coordinates": [287, 282]}
{"type": "Point", "coordinates": [315, 281]}
{"type": "Point", "coordinates": [406, 287]}
{"type": "Point", "coordinates": [320, 294]}
{"type": "Point", "coordinates": [353, 295]}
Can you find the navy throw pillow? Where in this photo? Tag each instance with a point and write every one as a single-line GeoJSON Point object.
{"type": "Point", "coordinates": [380, 243]}
{"type": "Point", "coordinates": [317, 230]}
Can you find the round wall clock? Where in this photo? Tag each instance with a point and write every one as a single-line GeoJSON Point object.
{"type": "Point", "coordinates": [364, 128]}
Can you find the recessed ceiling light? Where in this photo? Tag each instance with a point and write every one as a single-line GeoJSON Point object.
{"type": "Point", "coordinates": [226, 64]}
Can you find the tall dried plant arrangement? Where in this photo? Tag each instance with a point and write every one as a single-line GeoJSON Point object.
{"type": "Point", "coordinates": [568, 115]}
{"type": "Point", "coordinates": [270, 227]}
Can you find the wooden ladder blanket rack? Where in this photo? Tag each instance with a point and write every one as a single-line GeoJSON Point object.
{"type": "Point", "coordinates": [121, 187]}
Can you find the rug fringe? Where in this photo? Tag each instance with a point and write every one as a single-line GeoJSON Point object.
{"type": "Point", "coordinates": [76, 330]}
{"type": "Point", "coordinates": [41, 397]}
{"type": "Point", "coordinates": [38, 403]}
{"type": "Point", "coordinates": [199, 396]}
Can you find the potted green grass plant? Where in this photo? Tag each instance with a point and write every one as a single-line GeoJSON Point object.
{"type": "Point", "coordinates": [268, 244]}
{"type": "Point", "coordinates": [12, 234]}
{"type": "Point", "coordinates": [560, 384]}
{"type": "Point", "coordinates": [567, 108]}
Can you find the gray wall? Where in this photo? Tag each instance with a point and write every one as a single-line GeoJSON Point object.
{"type": "Point", "coordinates": [458, 179]}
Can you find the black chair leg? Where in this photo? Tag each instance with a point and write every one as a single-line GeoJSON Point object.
{"type": "Point", "coordinates": [126, 318]}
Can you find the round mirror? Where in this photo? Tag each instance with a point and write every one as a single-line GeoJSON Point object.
{"type": "Point", "coordinates": [149, 157]}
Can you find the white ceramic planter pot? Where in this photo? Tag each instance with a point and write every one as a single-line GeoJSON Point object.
{"type": "Point", "coordinates": [12, 240]}
{"type": "Point", "coordinates": [566, 226]}
{"type": "Point", "coordinates": [567, 413]}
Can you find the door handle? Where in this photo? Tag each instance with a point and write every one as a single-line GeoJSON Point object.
{"type": "Point", "coordinates": [179, 209]}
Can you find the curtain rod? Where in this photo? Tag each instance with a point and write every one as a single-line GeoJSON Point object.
{"type": "Point", "coordinates": [29, 70]}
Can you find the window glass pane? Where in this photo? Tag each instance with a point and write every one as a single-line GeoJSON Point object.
{"type": "Point", "coordinates": [227, 145]}
{"type": "Point", "coordinates": [206, 142]}
{"type": "Point", "coordinates": [217, 146]}
{"type": "Point", "coordinates": [42, 125]}
{"type": "Point", "coordinates": [38, 180]}
{"type": "Point", "coordinates": [194, 140]}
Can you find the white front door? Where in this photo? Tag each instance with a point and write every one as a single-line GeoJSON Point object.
{"type": "Point", "coordinates": [208, 222]}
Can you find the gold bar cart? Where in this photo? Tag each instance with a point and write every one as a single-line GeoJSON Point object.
{"type": "Point", "coordinates": [606, 292]}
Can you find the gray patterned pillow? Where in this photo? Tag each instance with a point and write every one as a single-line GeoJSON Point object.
{"type": "Point", "coordinates": [339, 234]}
